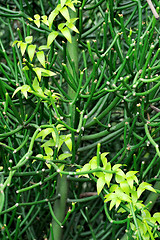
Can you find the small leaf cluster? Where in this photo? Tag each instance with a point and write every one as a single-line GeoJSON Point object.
{"type": "Point", "coordinates": [56, 140]}
{"type": "Point", "coordinates": [124, 189]}
{"type": "Point", "coordinates": [27, 45]}
{"type": "Point", "coordinates": [45, 94]}
{"type": "Point", "coordinates": [147, 232]}
{"type": "Point", "coordinates": [31, 49]}
{"type": "Point", "coordinates": [64, 28]}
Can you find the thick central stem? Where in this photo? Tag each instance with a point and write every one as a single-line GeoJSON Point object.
{"type": "Point", "coordinates": [62, 183]}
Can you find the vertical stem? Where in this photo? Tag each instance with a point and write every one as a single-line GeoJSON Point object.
{"type": "Point", "coordinates": [60, 206]}
{"type": "Point", "coordinates": [62, 184]}
{"type": "Point", "coordinates": [72, 49]}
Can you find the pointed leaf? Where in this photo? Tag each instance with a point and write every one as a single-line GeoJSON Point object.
{"type": "Point", "coordinates": [93, 162]}
{"type": "Point", "coordinates": [37, 22]}
{"type": "Point", "coordinates": [49, 143]}
{"type": "Point", "coordinates": [65, 31]}
{"type": "Point", "coordinates": [120, 176]}
{"type": "Point", "coordinates": [14, 43]}
{"type": "Point", "coordinates": [35, 84]}
{"type": "Point", "coordinates": [29, 39]}
{"type": "Point", "coordinates": [63, 2]}
{"type": "Point", "coordinates": [64, 156]}
{"type": "Point", "coordinates": [25, 89]}
{"type": "Point", "coordinates": [41, 58]}
{"type": "Point", "coordinates": [47, 73]}
{"type": "Point", "coordinates": [143, 186]}
{"type": "Point", "coordinates": [125, 187]}
{"type": "Point", "coordinates": [30, 19]}
{"type": "Point", "coordinates": [23, 47]}
{"type": "Point", "coordinates": [45, 20]}
{"type": "Point", "coordinates": [65, 13]}
{"type": "Point", "coordinates": [118, 203]}
{"type": "Point", "coordinates": [70, 5]}
{"type": "Point", "coordinates": [43, 47]}
{"type": "Point", "coordinates": [85, 168]}
{"type": "Point", "coordinates": [52, 16]}
{"type": "Point", "coordinates": [122, 196]}
{"type": "Point", "coordinates": [113, 188]}
{"type": "Point", "coordinates": [37, 16]}
{"type": "Point", "coordinates": [19, 43]}
{"type": "Point", "coordinates": [38, 72]}
{"type": "Point", "coordinates": [131, 173]}
{"type": "Point", "coordinates": [31, 50]}
{"type": "Point", "coordinates": [68, 142]}
{"type": "Point", "coordinates": [113, 203]}
{"type": "Point", "coordinates": [48, 151]}
{"type": "Point", "coordinates": [44, 133]}
{"type": "Point", "coordinates": [100, 184]}
{"type": "Point", "coordinates": [72, 27]}
{"type": "Point", "coordinates": [157, 216]}
{"type": "Point", "coordinates": [134, 195]}
{"type": "Point", "coordinates": [104, 161]}
{"type": "Point", "coordinates": [108, 176]}
{"type": "Point", "coordinates": [61, 127]}
{"type": "Point", "coordinates": [109, 197]}
{"type": "Point", "coordinates": [51, 37]}
{"type": "Point", "coordinates": [61, 26]}
{"type": "Point", "coordinates": [17, 89]}
{"type": "Point", "coordinates": [116, 166]}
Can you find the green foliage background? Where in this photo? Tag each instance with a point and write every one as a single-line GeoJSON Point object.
{"type": "Point", "coordinates": [108, 85]}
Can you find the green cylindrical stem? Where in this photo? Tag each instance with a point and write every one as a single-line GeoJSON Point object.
{"type": "Point", "coordinates": [60, 206]}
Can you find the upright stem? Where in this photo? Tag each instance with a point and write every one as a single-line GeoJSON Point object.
{"type": "Point", "coordinates": [60, 206]}
{"type": "Point", "coordinates": [62, 183]}
{"type": "Point", "coordinates": [72, 49]}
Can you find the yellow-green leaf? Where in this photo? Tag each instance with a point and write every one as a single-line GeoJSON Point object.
{"type": "Point", "coordinates": [14, 43]}
{"type": "Point", "coordinates": [47, 73]}
{"type": "Point", "coordinates": [17, 89]}
{"type": "Point", "coordinates": [23, 47]}
{"type": "Point", "coordinates": [31, 50]}
{"type": "Point", "coordinates": [157, 216]}
{"type": "Point", "coordinates": [93, 162]}
{"type": "Point", "coordinates": [43, 47]}
{"type": "Point", "coordinates": [45, 20]}
{"type": "Point", "coordinates": [37, 22]}
{"type": "Point", "coordinates": [61, 26]}
{"type": "Point", "coordinates": [38, 72]}
{"type": "Point", "coordinates": [65, 13]}
{"type": "Point", "coordinates": [65, 31]}
{"type": "Point", "coordinates": [100, 184]}
{"type": "Point", "coordinates": [37, 16]}
{"type": "Point", "coordinates": [35, 84]}
{"type": "Point", "coordinates": [52, 16]}
{"type": "Point", "coordinates": [108, 177]}
{"type": "Point", "coordinates": [125, 187]}
{"type": "Point", "coordinates": [72, 27]}
{"type": "Point", "coordinates": [41, 58]}
{"type": "Point", "coordinates": [63, 2]}
{"type": "Point", "coordinates": [144, 186]}
{"type": "Point", "coordinates": [29, 39]}
{"type": "Point", "coordinates": [68, 142]}
{"type": "Point", "coordinates": [70, 5]}
{"type": "Point", "coordinates": [48, 151]}
{"type": "Point", "coordinates": [64, 156]}
{"type": "Point", "coordinates": [50, 143]}
{"type": "Point", "coordinates": [51, 37]}
{"type": "Point", "coordinates": [44, 133]}
{"type": "Point", "coordinates": [85, 168]}
{"type": "Point", "coordinates": [25, 89]}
